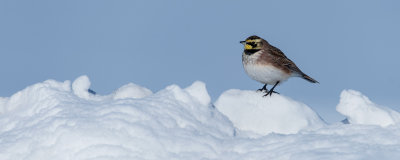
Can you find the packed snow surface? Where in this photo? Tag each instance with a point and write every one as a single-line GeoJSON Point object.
{"type": "Point", "coordinates": [250, 111]}
{"type": "Point", "coordinates": [360, 110]}
{"type": "Point", "coordinates": [131, 90]}
{"type": "Point", "coordinates": [59, 120]}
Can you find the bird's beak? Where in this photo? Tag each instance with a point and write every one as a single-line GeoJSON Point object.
{"type": "Point", "coordinates": [242, 42]}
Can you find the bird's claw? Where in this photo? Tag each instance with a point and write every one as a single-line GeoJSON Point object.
{"type": "Point", "coordinates": [270, 93]}
{"type": "Point", "coordinates": [262, 90]}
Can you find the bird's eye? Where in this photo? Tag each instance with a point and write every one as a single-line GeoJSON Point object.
{"type": "Point", "coordinates": [253, 44]}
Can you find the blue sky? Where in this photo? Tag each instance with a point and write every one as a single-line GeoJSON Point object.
{"type": "Point", "coordinates": [342, 44]}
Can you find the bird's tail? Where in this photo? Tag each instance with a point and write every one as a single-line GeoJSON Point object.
{"type": "Point", "coordinates": [308, 78]}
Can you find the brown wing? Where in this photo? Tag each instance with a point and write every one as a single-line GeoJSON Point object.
{"type": "Point", "coordinates": [280, 59]}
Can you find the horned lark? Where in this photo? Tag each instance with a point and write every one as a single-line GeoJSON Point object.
{"type": "Point", "coordinates": [268, 65]}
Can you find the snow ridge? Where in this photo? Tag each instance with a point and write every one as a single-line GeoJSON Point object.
{"type": "Point", "coordinates": [60, 120]}
{"type": "Point", "coordinates": [250, 111]}
{"type": "Point", "coordinates": [360, 110]}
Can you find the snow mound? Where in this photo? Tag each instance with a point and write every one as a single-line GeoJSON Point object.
{"type": "Point", "coordinates": [360, 110]}
{"type": "Point", "coordinates": [57, 120]}
{"type": "Point", "coordinates": [50, 121]}
{"type": "Point", "coordinates": [250, 111]}
{"type": "Point", "coordinates": [81, 86]}
{"type": "Point", "coordinates": [131, 90]}
{"type": "Point", "coordinates": [199, 91]}
{"type": "Point", "coordinates": [34, 99]}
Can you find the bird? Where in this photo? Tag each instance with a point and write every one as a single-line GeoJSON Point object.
{"type": "Point", "coordinates": [268, 65]}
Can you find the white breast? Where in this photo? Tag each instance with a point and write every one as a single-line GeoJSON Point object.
{"type": "Point", "coordinates": [266, 74]}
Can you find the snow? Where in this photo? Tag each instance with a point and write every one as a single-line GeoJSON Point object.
{"type": "Point", "coordinates": [60, 120]}
{"type": "Point", "coordinates": [131, 90]}
{"type": "Point", "coordinates": [81, 86]}
{"type": "Point", "coordinates": [360, 110]}
{"type": "Point", "coordinates": [250, 111]}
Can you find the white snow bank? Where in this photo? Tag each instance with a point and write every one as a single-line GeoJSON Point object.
{"type": "Point", "coordinates": [48, 121]}
{"type": "Point", "coordinates": [81, 86]}
{"type": "Point", "coordinates": [202, 96]}
{"type": "Point", "coordinates": [34, 98]}
{"type": "Point", "coordinates": [131, 90]}
{"type": "Point", "coordinates": [360, 110]}
{"type": "Point", "coordinates": [250, 111]}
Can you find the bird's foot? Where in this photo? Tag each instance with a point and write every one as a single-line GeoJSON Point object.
{"type": "Point", "coordinates": [272, 90]}
{"type": "Point", "coordinates": [263, 89]}
{"type": "Point", "coordinates": [270, 93]}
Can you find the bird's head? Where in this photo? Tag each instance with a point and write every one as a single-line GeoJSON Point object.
{"type": "Point", "coordinates": [253, 43]}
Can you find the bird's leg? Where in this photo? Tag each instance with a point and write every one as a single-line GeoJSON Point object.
{"type": "Point", "coordinates": [272, 90]}
{"type": "Point", "coordinates": [263, 89]}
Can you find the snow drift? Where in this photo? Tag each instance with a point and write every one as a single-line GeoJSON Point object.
{"type": "Point", "coordinates": [59, 120]}
{"type": "Point", "coordinates": [50, 121]}
{"type": "Point", "coordinates": [360, 110]}
{"type": "Point", "coordinates": [250, 111]}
